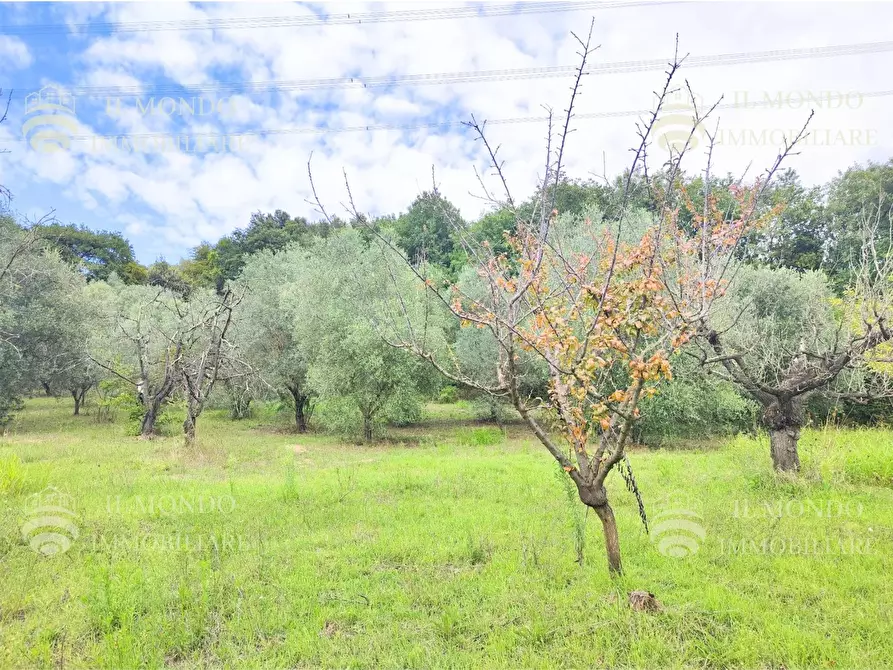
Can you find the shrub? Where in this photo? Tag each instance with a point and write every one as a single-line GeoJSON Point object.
{"type": "Point", "coordinates": [694, 405]}
{"type": "Point", "coordinates": [448, 395]}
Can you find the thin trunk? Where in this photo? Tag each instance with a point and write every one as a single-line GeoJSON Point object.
{"type": "Point", "coordinates": [367, 427]}
{"type": "Point", "coordinates": [47, 389]}
{"type": "Point", "coordinates": [783, 445]}
{"type": "Point", "coordinates": [189, 428]}
{"type": "Point", "coordinates": [300, 419]}
{"type": "Point", "coordinates": [596, 497]}
{"type": "Point", "coordinates": [80, 396]}
{"type": "Point", "coordinates": [612, 540]}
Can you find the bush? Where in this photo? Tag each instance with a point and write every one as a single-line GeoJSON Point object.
{"type": "Point", "coordinates": [488, 408]}
{"type": "Point", "coordinates": [340, 416]}
{"type": "Point", "coordinates": [448, 395]}
{"type": "Point", "coordinates": [694, 405]}
{"type": "Point", "coordinates": [112, 395]}
{"type": "Point", "coordinates": [844, 412]}
{"type": "Point", "coordinates": [403, 410]}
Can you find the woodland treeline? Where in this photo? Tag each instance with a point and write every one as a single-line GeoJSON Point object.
{"type": "Point", "coordinates": [81, 317]}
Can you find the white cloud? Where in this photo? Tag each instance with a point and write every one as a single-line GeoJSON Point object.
{"type": "Point", "coordinates": [189, 198]}
{"type": "Point", "coordinates": [14, 53]}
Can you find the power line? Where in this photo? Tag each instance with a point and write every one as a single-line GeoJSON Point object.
{"type": "Point", "coordinates": [423, 125]}
{"type": "Point", "coordinates": [475, 76]}
{"type": "Point", "coordinates": [245, 23]}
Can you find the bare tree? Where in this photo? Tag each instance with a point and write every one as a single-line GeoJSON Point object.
{"type": "Point", "coordinates": [4, 192]}
{"type": "Point", "coordinates": [147, 339]}
{"type": "Point", "coordinates": [604, 312]}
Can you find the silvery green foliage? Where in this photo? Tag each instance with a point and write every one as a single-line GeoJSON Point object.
{"type": "Point", "coordinates": [139, 323]}
{"type": "Point", "coordinates": [776, 316]}
{"type": "Point", "coordinates": [267, 328]}
{"type": "Point", "coordinates": [42, 323]}
{"type": "Point", "coordinates": [695, 404]}
{"type": "Point", "coordinates": [342, 299]}
{"type": "Point", "coordinates": [476, 349]}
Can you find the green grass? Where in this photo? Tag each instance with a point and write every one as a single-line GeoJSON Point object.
{"type": "Point", "coordinates": [451, 545]}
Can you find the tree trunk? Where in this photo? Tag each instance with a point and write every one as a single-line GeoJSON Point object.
{"type": "Point", "coordinates": [79, 394]}
{"type": "Point", "coordinates": [783, 444]}
{"type": "Point", "coordinates": [47, 389]}
{"type": "Point", "coordinates": [612, 541]}
{"type": "Point", "coordinates": [597, 499]}
{"type": "Point", "coordinates": [189, 429]}
{"type": "Point", "coordinates": [367, 427]}
{"type": "Point", "coordinates": [783, 419]}
{"type": "Point", "coordinates": [147, 426]}
{"type": "Point", "coordinates": [300, 419]}
{"type": "Point", "coordinates": [300, 403]}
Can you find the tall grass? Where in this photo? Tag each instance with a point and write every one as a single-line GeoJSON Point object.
{"type": "Point", "coordinates": [260, 548]}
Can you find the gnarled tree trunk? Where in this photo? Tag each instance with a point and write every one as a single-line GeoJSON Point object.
{"type": "Point", "coordinates": [783, 418]}
{"type": "Point", "coordinates": [147, 425]}
{"type": "Point", "coordinates": [79, 394]}
{"type": "Point", "coordinates": [152, 406]}
{"type": "Point", "coordinates": [783, 445]}
{"type": "Point", "coordinates": [300, 401]}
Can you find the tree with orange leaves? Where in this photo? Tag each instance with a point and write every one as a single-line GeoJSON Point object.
{"type": "Point", "coordinates": [605, 312]}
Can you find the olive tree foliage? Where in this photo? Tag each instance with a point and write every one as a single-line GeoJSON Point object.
{"type": "Point", "coordinates": [268, 330]}
{"type": "Point", "coordinates": [42, 323]}
{"type": "Point", "coordinates": [161, 344]}
{"type": "Point", "coordinates": [346, 295]}
{"type": "Point", "coordinates": [475, 350]}
{"type": "Point", "coordinates": [694, 405]}
{"type": "Point", "coordinates": [146, 339]}
{"type": "Point", "coordinates": [17, 252]}
{"type": "Point", "coordinates": [783, 337]}
{"type": "Point", "coordinates": [66, 367]}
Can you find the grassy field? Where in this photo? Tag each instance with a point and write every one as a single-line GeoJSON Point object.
{"type": "Point", "coordinates": [451, 545]}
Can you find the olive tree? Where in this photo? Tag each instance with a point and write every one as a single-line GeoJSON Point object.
{"type": "Point", "coordinates": [201, 341]}
{"type": "Point", "coordinates": [268, 327]}
{"type": "Point", "coordinates": [145, 341]}
{"type": "Point", "coordinates": [782, 337]}
{"type": "Point", "coordinates": [42, 320]}
{"type": "Point", "coordinates": [343, 297]}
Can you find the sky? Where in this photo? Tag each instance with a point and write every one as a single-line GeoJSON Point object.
{"type": "Point", "coordinates": [173, 137]}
